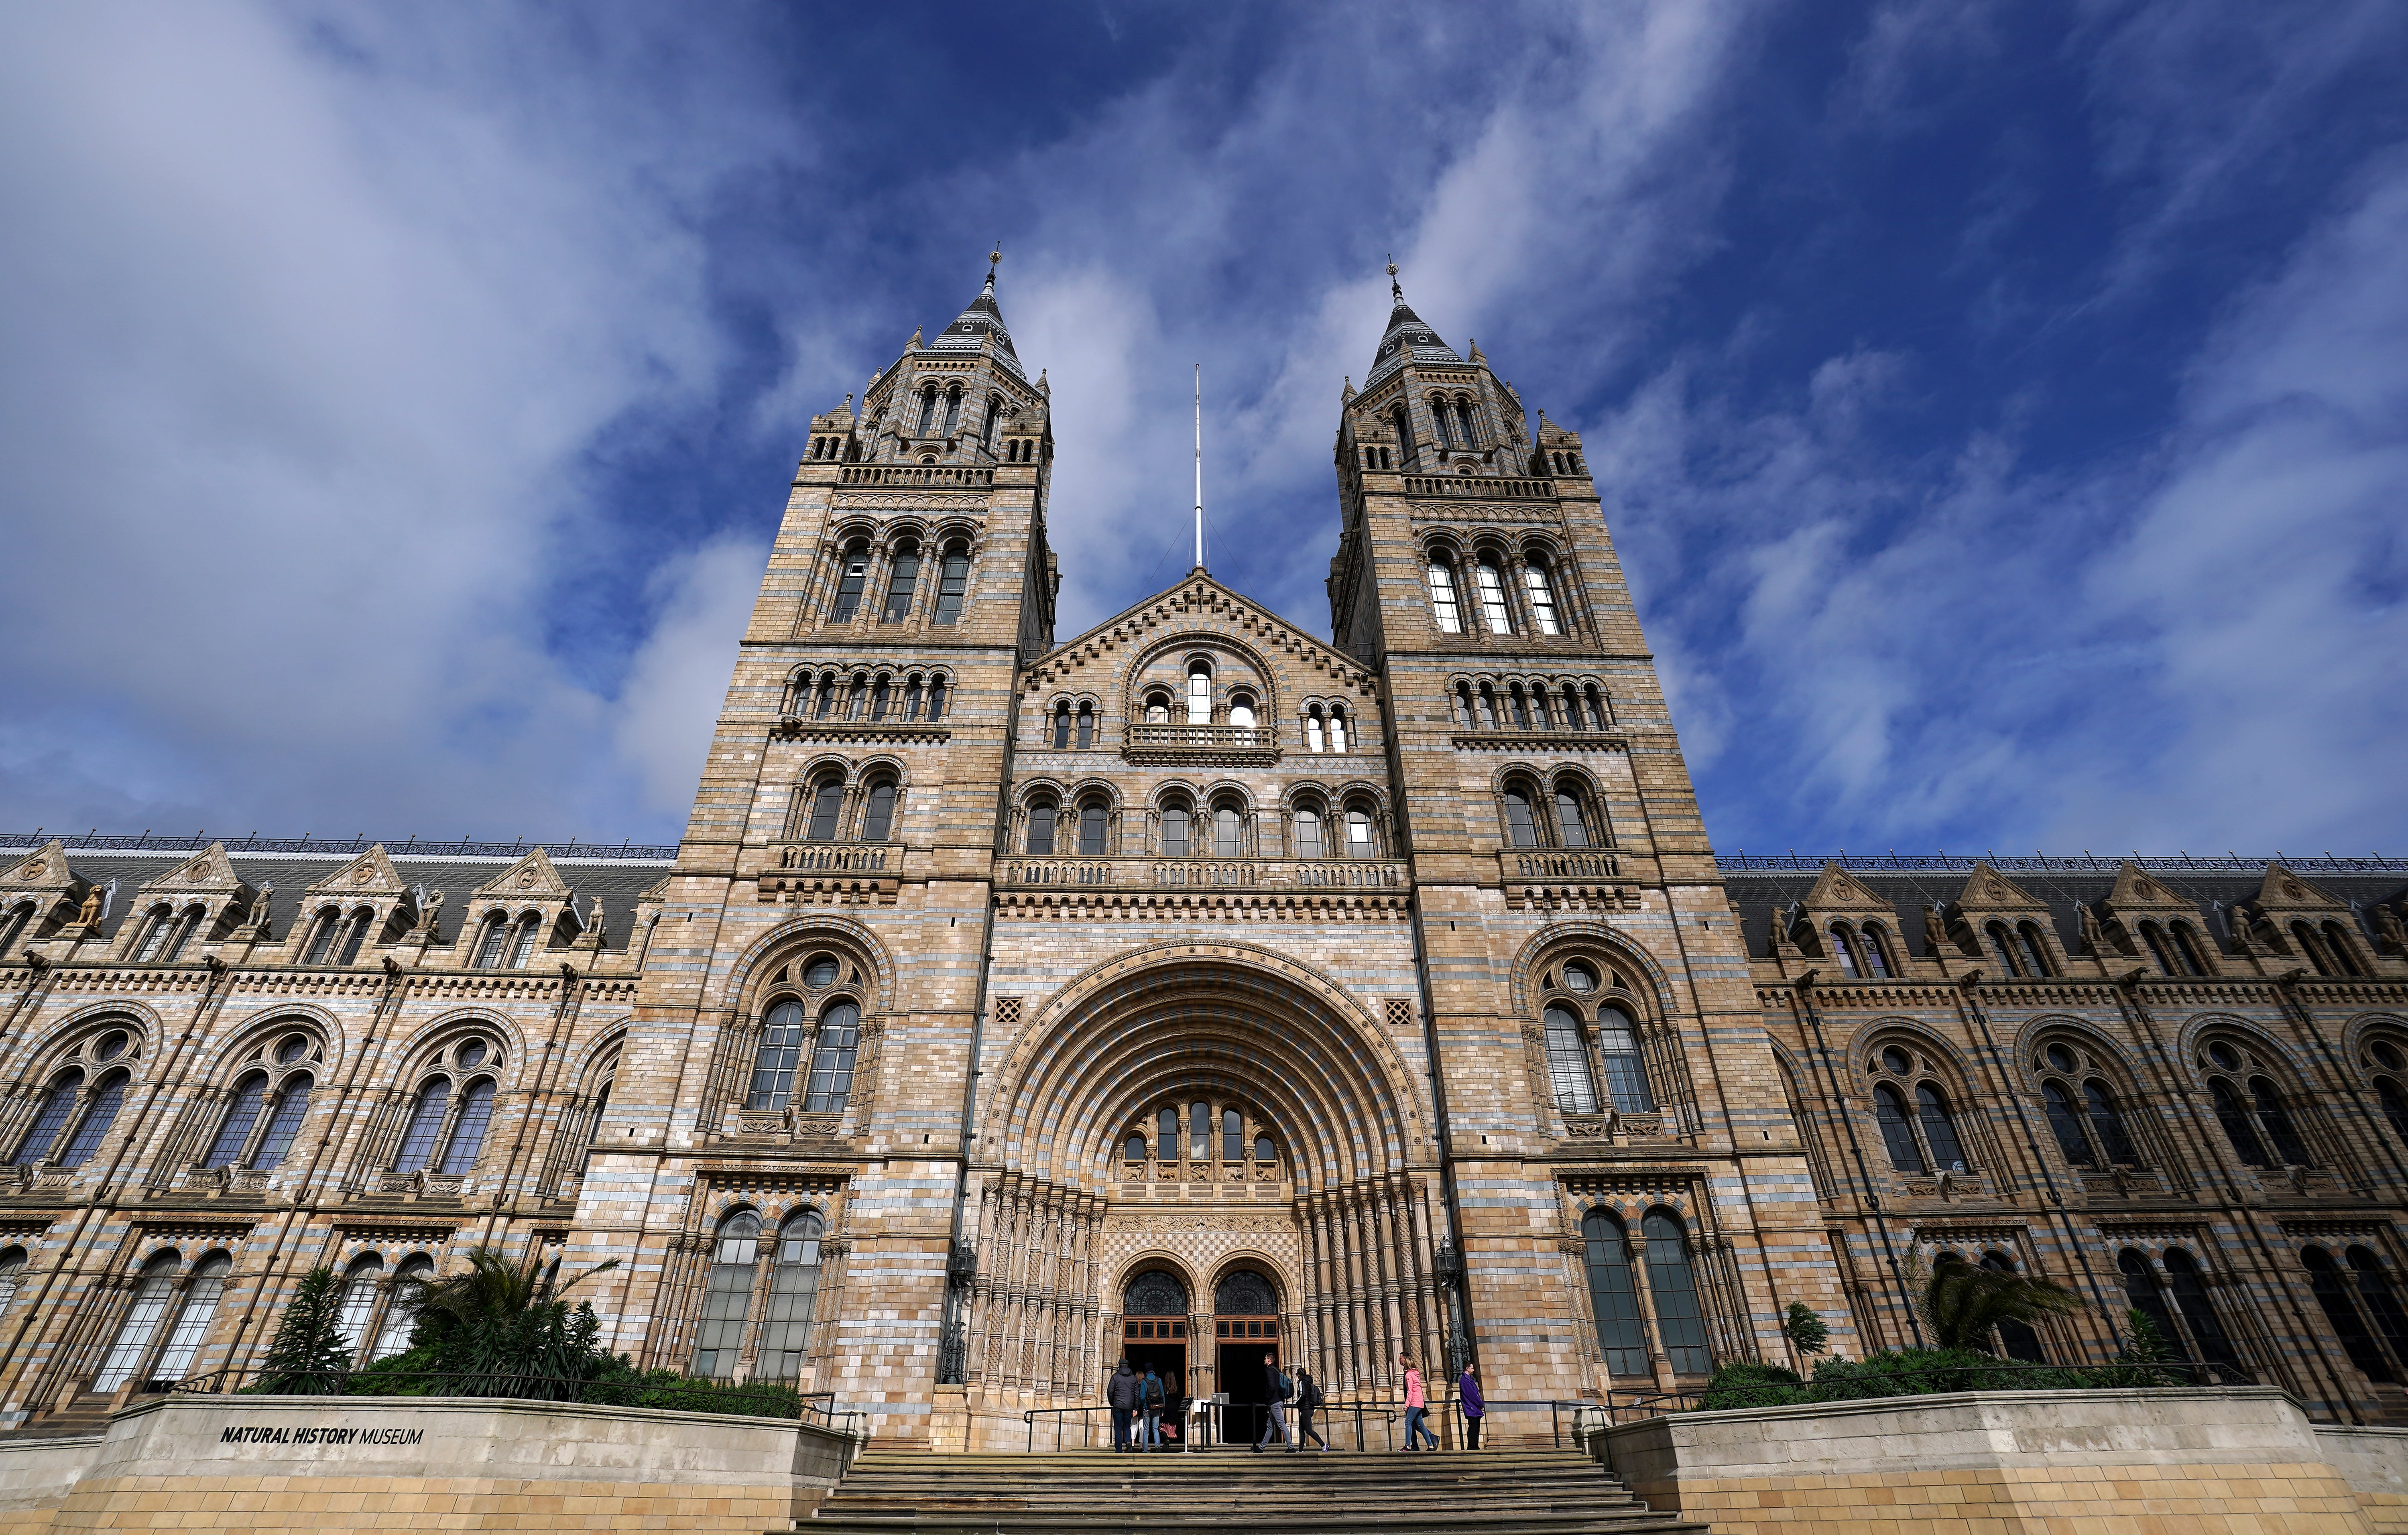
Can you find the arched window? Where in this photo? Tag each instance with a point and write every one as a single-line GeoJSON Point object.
{"type": "Point", "coordinates": [1461, 704]}
{"type": "Point", "coordinates": [1486, 707]}
{"type": "Point", "coordinates": [1199, 693]}
{"type": "Point", "coordinates": [777, 1057]}
{"type": "Point", "coordinates": [492, 942]}
{"type": "Point", "coordinates": [2067, 1126]}
{"type": "Point", "coordinates": [1626, 1075]}
{"type": "Point", "coordinates": [1337, 729]}
{"type": "Point", "coordinates": [1086, 721]}
{"type": "Point", "coordinates": [1092, 822]}
{"type": "Point", "coordinates": [831, 1080]}
{"type": "Point", "coordinates": [1175, 830]}
{"type": "Point", "coordinates": [522, 948]}
{"type": "Point", "coordinates": [827, 809]}
{"type": "Point", "coordinates": [2332, 1295]}
{"type": "Point", "coordinates": [2017, 1340]}
{"type": "Point", "coordinates": [1165, 1130]}
{"type": "Point", "coordinates": [952, 410]}
{"type": "Point", "coordinates": [2190, 1299]}
{"type": "Point", "coordinates": [2344, 953]}
{"type": "Point", "coordinates": [2275, 1120]}
{"type": "Point", "coordinates": [1200, 1128]}
{"type": "Point", "coordinates": [1228, 832]}
{"type": "Point", "coordinates": [1674, 1290]}
{"type": "Point", "coordinates": [828, 697]}
{"type": "Point", "coordinates": [1521, 706]}
{"type": "Point", "coordinates": [1233, 1136]}
{"type": "Point", "coordinates": [1939, 1127]}
{"type": "Point", "coordinates": [400, 1318]}
{"type": "Point", "coordinates": [2035, 950]}
{"type": "Point", "coordinates": [50, 1119]}
{"type": "Point", "coordinates": [468, 1129]}
{"type": "Point", "coordinates": [1572, 818]}
{"type": "Point", "coordinates": [937, 698]}
{"type": "Point", "coordinates": [1062, 726]}
{"type": "Point", "coordinates": [1402, 421]}
{"type": "Point", "coordinates": [98, 1115]}
{"type": "Point", "coordinates": [193, 1319]}
{"type": "Point", "coordinates": [2154, 937]}
{"type": "Point", "coordinates": [358, 1300]}
{"type": "Point", "coordinates": [1567, 1062]}
{"type": "Point", "coordinates": [986, 423]}
{"type": "Point", "coordinates": [1469, 423]}
{"type": "Point", "coordinates": [2148, 1298]}
{"type": "Point", "coordinates": [2234, 1116]}
{"type": "Point", "coordinates": [12, 1274]}
{"type": "Point", "coordinates": [1876, 951]}
{"type": "Point", "coordinates": [1440, 418]}
{"type": "Point", "coordinates": [321, 937]}
{"type": "Point", "coordinates": [13, 926]}
{"type": "Point", "coordinates": [1135, 1151]}
{"type": "Point", "coordinates": [1612, 1296]}
{"type": "Point", "coordinates": [2374, 1294]}
{"type": "Point", "coordinates": [353, 938]}
{"type": "Point", "coordinates": [1307, 845]}
{"type": "Point", "coordinates": [241, 1118]}
{"type": "Point", "coordinates": [879, 823]}
{"type": "Point", "coordinates": [1361, 839]}
{"type": "Point", "coordinates": [1844, 949]}
{"type": "Point", "coordinates": [1897, 1135]}
{"type": "Point", "coordinates": [2389, 1092]}
{"type": "Point", "coordinates": [727, 1296]}
{"type": "Point", "coordinates": [1443, 606]}
{"type": "Point", "coordinates": [953, 583]}
{"type": "Point", "coordinates": [425, 1123]}
{"type": "Point", "coordinates": [153, 1293]}
{"type": "Point", "coordinates": [1490, 586]}
{"type": "Point", "coordinates": [1265, 1153]}
{"type": "Point", "coordinates": [2002, 946]}
{"type": "Point", "coordinates": [1520, 830]}
{"type": "Point", "coordinates": [2107, 1124]}
{"type": "Point", "coordinates": [1312, 736]}
{"type": "Point", "coordinates": [2187, 948]}
{"type": "Point", "coordinates": [1040, 829]}
{"type": "Point", "coordinates": [794, 1290]}
{"type": "Point", "coordinates": [881, 692]}
{"type": "Point", "coordinates": [2303, 939]}
{"type": "Point", "coordinates": [292, 1107]}
{"type": "Point", "coordinates": [1541, 593]}
{"type": "Point", "coordinates": [1157, 707]}
{"type": "Point", "coordinates": [853, 575]}
{"type": "Point", "coordinates": [154, 937]}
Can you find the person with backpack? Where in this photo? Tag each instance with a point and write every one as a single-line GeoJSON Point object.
{"type": "Point", "coordinates": [1121, 1395]}
{"type": "Point", "coordinates": [1308, 1397]}
{"type": "Point", "coordinates": [1416, 1406]}
{"type": "Point", "coordinates": [1277, 1389]}
{"type": "Point", "coordinates": [1475, 1406]}
{"type": "Point", "coordinates": [1150, 1432]}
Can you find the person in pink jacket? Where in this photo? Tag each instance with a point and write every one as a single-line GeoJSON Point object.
{"type": "Point", "coordinates": [1416, 1406]}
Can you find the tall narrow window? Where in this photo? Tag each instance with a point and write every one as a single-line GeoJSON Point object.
{"type": "Point", "coordinates": [2035, 950]}
{"type": "Point", "coordinates": [953, 411]}
{"type": "Point", "coordinates": [1897, 1136]}
{"type": "Point", "coordinates": [1844, 949]}
{"type": "Point", "coordinates": [935, 697]}
{"type": "Point", "coordinates": [1360, 843]}
{"type": "Point", "coordinates": [911, 697]}
{"type": "Point", "coordinates": [354, 937]}
{"type": "Point", "coordinates": [2154, 937]}
{"type": "Point", "coordinates": [952, 581]}
{"type": "Point", "coordinates": [879, 823]}
{"type": "Point", "coordinates": [727, 1296]}
{"type": "Point", "coordinates": [1625, 1076]}
{"type": "Point", "coordinates": [1542, 595]}
{"type": "Point", "coordinates": [2191, 1298]}
{"type": "Point", "coordinates": [321, 940]}
{"type": "Point", "coordinates": [425, 1123]}
{"type": "Point", "coordinates": [1571, 821]}
{"type": "Point", "coordinates": [493, 942]}
{"type": "Point", "coordinates": [1492, 597]}
{"type": "Point", "coordinates": [881, 694]}
{"type": "Point", "coordinates": [827, 697]}
{"type": "Point", "coordinates": [1313, 740]}
{"type": "Point", "coordinates": [794, 1291]}
{"type": "Point", "coordinates": [2303, 939]}
{"type": "Point", "coordinates": [2276, 1121]}
{"type": "Point", "coordinates": [2148, 1298]}
{"type": "Point", "coordinates": [2345, 953]}
{"type": "Point", "coordinates": [359, 1300]}
{"type": "Point", "coordinates": [1443, 600]}
{"type": "Point", "coordinates": [155, 939]}
{"type": "Point", "coordinates": [193, 1319]}
{"type": "Point", "coordinates": [1939, 1128]}
{"type": "Point", "coordinates": [853, 575]}
{"type": "Point", "coordinates": [2332, 1295]}
{"type": "Point", "coordinates": [900, 584]}
{"type": "Point", "coordinates": [1062, 727]}
{"type": "Point", "coordinates": [1200, 1128]}
{"type": "Point", "coordinates": [1233, 1136]}
{"type": "Point", "coordinates": [2019, 1341]}
{"type": "Point", "coordinates": [13, 926]}
{"type": "Point", "coordinates": [98, 1115]}
{"type": "Point", "coordinates": [1402, 421]}
{"type": "Point", "coordinates": [1567, 1063]}
{"type": "Point", "coordinates": [1876, 952]}
{"type": "Point", "coordinates": [1040, 829]}
{"type": "Point", "coordinates": [48, 1120]}
{"type": "Point", "coordinates": [2186, 949]}
{"type": "Point", "coordinates": [1091, 829]}
{"type": "Point", "coordinates": [401, 1319]}
{"type": "Point", "coordinates": [1174, 832]}
{"type": "Point", "coordinates": [292, 1107]}
{"type": "Point", "coordinates": [1165, 1130]}
{"type": "Point", "coordinates": [12, 1274]}
{"type": "Point", "coordinates": [2374, 1295]}
{"type": "Point", "coordinates": [1442, 418]}
{"type": "Point", "coordinates": [1087, 726]}
{"type": "Point", "coordinates": [1520, 706]}
{"type": "Point", "coordinates": [2067, 1126]}
{"type": "Point", "coordinates": [1519, 830]}
{"type": "Point", "coordinates": [1675, 1293]}
{"type": "Point", "coordinates": [1307, 845]}
{"type": "Point", "coordinates": [1612, 1296]}
{"type": "Point", "coordinates": [1338, 730]}
{"type": "Point", "coordinates": [2108, 1124]}
{"type": "Point", "coordinates": [777, 1057]}
{"type": "Point", "coordinates": [2395, 1105]}
{"type": "Point", "coordinates": [468, 1129]}
{"type": "Point", "coordinates": [2002, 945]}
{"type": "Point", "coordinates": [832, 1060]}
{"type": "Point", "coordinates": [1469, 423]}
{"type": "Point", "coordinates": [523, 949]}
{"type": "Point", "coordinates": [927, 412]}
{"type": "Point", "coordinates": [152, 1295]}
{"type": "Point", "coordinates": [190, 923]}
{"type": "Point", "coordinates": [241, 1118]}
{"type": "Point", "coordinates": [2234, 1117]}
{"type": "Point", "coordinates": [827, 807]}
{"type": "Point", "coordinates": [1199, 695]}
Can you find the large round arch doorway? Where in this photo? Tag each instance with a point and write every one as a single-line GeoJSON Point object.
{"type": "Point", "coordinates": [1153, 1326]}
{"type": "Point", "coordinates": [1245, 1326]}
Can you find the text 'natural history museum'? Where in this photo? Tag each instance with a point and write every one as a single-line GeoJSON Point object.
{"type": "Point", "coordinates": [1193, 988]}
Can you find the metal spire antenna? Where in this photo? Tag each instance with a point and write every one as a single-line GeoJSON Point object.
{"type": "Point", "coordinates": [1199, 465]}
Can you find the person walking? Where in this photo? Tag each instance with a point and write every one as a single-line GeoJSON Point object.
{"type": "Point", "coordinates": [1416, 1406]}
{"type": "Point", "coordinates": [1308, 1397]}
{"type": "Point", "coordinates": [1475, 1406]}
{"type": "Point", "coordinates": [1277, 1388]}
{"type": "Point", "coordinates": [1171, 1404]}
{"type": "Point", "coordinates": [1121, 1396]}
{"type": "Point", "coordinates": [1150, 1432]}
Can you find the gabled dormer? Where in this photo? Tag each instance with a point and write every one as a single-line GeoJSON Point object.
{"type": "Point", "coordinates": [2147, 921]}
{"type": "Point", "coordinates": [2292, 919]}
{"type": "Point", "coordinates": [359, 908]}
{"type": "Point", "coordinates": [523, 918]}
{"type": "Point", "coordinates": [198, 902]}
{"type": "Point", "coordinates": [1997, 921]}
{"type": "Point", "coordinates": [1842, 921]}
{"type": "Point", "coordinates": [38, 895]}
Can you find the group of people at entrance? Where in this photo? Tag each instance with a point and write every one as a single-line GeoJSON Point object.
{"type": "Point", "coordinates": [1141, 1403]}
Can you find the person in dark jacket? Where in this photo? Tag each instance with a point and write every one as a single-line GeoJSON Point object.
{"type": "Point", "coordinates": [1475, 1406]}
{"type": "Point", "coordinates": [1275, 1394]}
{"type": "Point", "coordinates": [1174, 1404]}
{"type": "Point", "coordinates": [1150, 1429]}
{"type": "Point", "coordinates": [1308, 1397]}
{"type": "Point", "coordinates": [1121, 1396]}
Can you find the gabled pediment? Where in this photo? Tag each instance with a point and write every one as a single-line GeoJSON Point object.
{"type": "Point", "coordinates": [45, 869]}
{"type": "Point", "coordinates": [1840, 891]}
{"type": "Point", "coordinates": [1198, 600]}
{"type": "Point", "coordinates": [209, 872]}
{"type": "Point", "coordinates": [2284, 891]}
{"type": "Point", "coordinates": [532, 877]}
{"type": "Point", "coordinates": [369, 874]}
{"type": "Point", "coordinates": [2135, 891]}
{"type": "Point", "coordinates": [1987, 890]}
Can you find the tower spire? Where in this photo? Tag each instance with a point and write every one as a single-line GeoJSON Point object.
{"type": "Point", "coordinates": [1199, 465]}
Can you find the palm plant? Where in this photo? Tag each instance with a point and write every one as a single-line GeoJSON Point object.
{"type": "Point", "coordinates": [309, 1355]}
{"type": "Point", "coordinates": [501, 1328]}
{"type": "Point", "coordinates": [1964, 1304]}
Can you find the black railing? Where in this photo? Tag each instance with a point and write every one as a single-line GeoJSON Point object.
{"type": "Point", "coordinates": [1617, 1407]}
{"type": "Point", "coordinates": [2055, 863]}
{"type": "Point", "coordinates": [94, 842]}
{"type": "Point", "coordinates": [1204, 1424]}
{"type": "Point", "coordinates": [683, 1393]}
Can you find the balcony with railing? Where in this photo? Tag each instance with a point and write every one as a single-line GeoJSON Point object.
{"type": "Point", "coordinates": [916, 474]}
{"type": "Point", "coordinates": [1479, 486]}
{"type": "Point", "coordinates": [1157, 742]}
{"type": "Point", "coordinates": [1265, 874]}
{"type": "Point", "coordinates": [1559, 864]}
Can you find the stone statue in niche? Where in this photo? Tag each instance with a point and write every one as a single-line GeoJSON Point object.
{"type": "Point", "coordinates": [89, 914]}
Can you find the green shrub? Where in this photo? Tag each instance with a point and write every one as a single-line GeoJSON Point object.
{"type": "Point", "coordinates": [1747, 1384]}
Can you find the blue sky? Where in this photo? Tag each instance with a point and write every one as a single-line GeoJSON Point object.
{"type": "Point", "coordinates": [2002, 409]}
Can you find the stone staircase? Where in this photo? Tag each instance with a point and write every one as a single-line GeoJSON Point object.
{"type": "Point", "coordinates": [1488, 1492]}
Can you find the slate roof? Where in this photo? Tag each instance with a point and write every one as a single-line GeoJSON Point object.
{"type": "Point", "coordinates": [973, 325]}
{"type": "Point", "coordinates": [1406, 336]}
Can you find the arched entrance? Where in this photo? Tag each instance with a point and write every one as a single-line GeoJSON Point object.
{"type": "Point", "coordinates": [1153, 1326]}
{"type": "Point", "coordinates": [1245, 1326]}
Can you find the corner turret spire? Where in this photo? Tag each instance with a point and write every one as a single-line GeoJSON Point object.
{"type": "Point", "coordinates": [1408, 338]}
{"type": "Point", "coordinates": [983, 320]}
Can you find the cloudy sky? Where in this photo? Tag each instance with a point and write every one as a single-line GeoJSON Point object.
{"type": "Point", "coordinates": [2002, 408]}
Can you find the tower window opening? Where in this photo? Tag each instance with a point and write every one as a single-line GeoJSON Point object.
{"type": "Point", "coordinates": [1338, 730]}
{"type": "Point", "coordinates": [1199, 693]}
{"type": "Point", "coordinates": [1541, 593]}
{"type": "Point", "coordinates": [1087, 726]}
{"type": "Point", "coordinates": [1092, 816]}
{"type": "Point", "coordinates": [1174, 831]}
{"type": "Point", "coordinates": [900, 584]}
{"type": "Point", "coordinates": [1062, 727]}
{"type": "Point", "coordinates": [952, 581]}
{"type": "Point", "coordinates": [1443, 600]}
{"type": "Point", "coordinates": [1491, 585]}
{"type": "Point", "coordinates": [1040, 829]}
{"type": "Point", "coordinates": [854, 573]}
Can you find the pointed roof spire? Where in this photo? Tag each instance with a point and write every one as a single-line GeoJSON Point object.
{"type": "Point", "coordinates": [980, 323]}
{"type": "Point", "coordinates": [1407, 338]}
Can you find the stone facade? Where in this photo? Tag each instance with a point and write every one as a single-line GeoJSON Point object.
{"type": "Point", "coordinates": [1192, 988]}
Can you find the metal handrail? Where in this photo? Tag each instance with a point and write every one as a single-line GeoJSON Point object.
{"type": "Point", "coordinates": [773, 1403]}
{"type": "Point", "coordinates": [2005, 1375]}
{"type": "Point", "coordinates": [1362, 1412]}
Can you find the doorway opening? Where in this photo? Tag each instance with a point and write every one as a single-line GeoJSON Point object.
{"type": "Point", "coordinates": [1245, 1327]}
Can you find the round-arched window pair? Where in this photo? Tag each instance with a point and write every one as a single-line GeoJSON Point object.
{"type": "Point", "coordinates": [80, 1105]}
{"type": "Point", "coordinates": [445, 1131]}
{"type": "Point", "coordinates": [1925, 1139]}
{"type": "Point", "coordinates": [778, 1056]}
